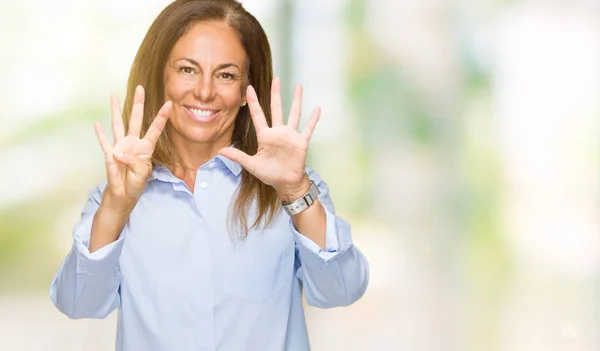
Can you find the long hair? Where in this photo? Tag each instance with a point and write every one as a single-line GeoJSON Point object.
{"type": "Point", "coordinates": [147, 70]}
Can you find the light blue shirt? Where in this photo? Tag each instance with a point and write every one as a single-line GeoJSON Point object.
{"type": "Point", "coordinates": [180, 282]}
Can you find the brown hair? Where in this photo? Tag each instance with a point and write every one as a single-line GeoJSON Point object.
{"type": "Point", "coordinates": [147, 70]}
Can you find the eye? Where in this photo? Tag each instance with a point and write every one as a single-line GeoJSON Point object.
{"type": "Point", "coordinates": [187, 70]}
{"type": "Point", "coordinates": [226, 76]}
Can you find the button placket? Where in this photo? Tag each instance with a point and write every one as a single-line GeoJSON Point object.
{"type": "Point", "coordinates": [203, 180]}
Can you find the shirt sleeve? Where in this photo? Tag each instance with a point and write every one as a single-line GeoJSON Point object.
{"type": "Point", "coordinates": [339, 275]}
{"type": "Point", "coordinates": [87, 284]}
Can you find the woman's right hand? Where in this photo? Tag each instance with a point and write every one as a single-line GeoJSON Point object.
{"type": "Point", "coordinates": [129, 160]}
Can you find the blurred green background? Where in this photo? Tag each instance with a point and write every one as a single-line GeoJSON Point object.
{"type": "Point", "coordinates": [459, 138]}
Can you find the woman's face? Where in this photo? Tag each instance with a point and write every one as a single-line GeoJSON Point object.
{"type": "Point", "coordinates": [203, 77]}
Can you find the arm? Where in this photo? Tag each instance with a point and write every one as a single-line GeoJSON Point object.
{"type": "Point", "coordinates": [332, 277]}
{"type": "Point", "coordinates": [312, 221]}
{"type": "Point", "coordinates": [87, 283]}
{"type": "Point", "coordinates": [336, 273]}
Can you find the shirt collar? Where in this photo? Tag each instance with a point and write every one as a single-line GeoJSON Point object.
{"type": "Point", "coordinates": [234, 167]}
{"type": "Point", "coordinates": [162, 173]}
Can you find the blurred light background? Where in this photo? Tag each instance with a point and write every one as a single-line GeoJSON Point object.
{"type": "Point", "coordinates": [460, 138]}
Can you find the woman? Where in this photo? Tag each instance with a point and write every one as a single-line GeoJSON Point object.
{"type": "Point", "coordinates": [209, 225]}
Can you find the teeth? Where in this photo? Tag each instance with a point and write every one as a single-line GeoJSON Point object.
{"type": "Point", "coordinates": [201, 113]}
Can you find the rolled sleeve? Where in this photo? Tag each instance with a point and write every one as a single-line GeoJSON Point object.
{"type": "Point", "coordinates": [99, 261]}
{"type": "Point", "coordinates": [337, 240]}
{"type": "Point", "coordinates": [103, 259]}
{"type": "Point", "coordinates": [338, 275]}
{"type": "Point", "coordinates": [332, 279]}
{"type": "Point", "coordinates": [87, 284]}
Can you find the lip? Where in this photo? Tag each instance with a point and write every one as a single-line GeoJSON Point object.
{"type": "Point", "coordinates": [203, 118]}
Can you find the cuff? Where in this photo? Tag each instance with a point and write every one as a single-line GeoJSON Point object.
{"type": "Point", "coordinates": [101, 260]}
{"type": "Point", "coordinates": [337, 240]}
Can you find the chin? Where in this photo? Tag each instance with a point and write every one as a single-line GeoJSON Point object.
{"type": "Point", "coordinates": [202, 138]}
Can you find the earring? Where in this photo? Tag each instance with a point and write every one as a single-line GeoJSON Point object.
{"type": "Point", "coordinates": [243, 103]}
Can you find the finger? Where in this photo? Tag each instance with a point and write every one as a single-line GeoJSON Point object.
{"type": "Point", "coordinates": [276, 109]}
{"type": "Point", "coordinates": [312, 123]}
{"type": "Point", "coordinates": [237, 156]}
{"type": "Point", "coordinates": [256, 112]}
{"type": "Point", "coordinates": [117, 118]}
{"type": "Point", "coordinates": [158, 125]}
{"type": "Point", "coordinates": [137, 112]}
{"type": "Point", "coordinates": [104, 143]}
{"type": "Point", "coordinates": [296, 110]}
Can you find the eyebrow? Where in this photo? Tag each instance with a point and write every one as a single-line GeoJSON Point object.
{"type": "Point", "coordinates": [221, 66]}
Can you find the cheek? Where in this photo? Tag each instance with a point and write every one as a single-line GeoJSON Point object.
{"type": "Point", "coordinates": [231, 96]}
{"type": "Point", "coordinates": [176, 88]}
{"type": "Point", "coordinates": [170, 88]}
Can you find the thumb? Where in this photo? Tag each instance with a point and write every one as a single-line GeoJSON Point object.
{"type": "Point", "coordinates": [236, 155]}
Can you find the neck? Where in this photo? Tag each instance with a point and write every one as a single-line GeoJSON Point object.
{"type": "Point", "coordinates": [193, 155]}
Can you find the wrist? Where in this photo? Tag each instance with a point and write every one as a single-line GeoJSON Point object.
{"type": "Point", "coordinates": [293, 192]}
{"type": "Point", "coordinates": [114, 207]}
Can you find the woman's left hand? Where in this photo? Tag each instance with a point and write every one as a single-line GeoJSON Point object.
{"type": "Point", "coordinates": [281, 157]}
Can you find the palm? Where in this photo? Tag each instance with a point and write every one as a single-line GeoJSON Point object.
{"type": "Point", "coordinates": [129, 160]}
{"type": "Point", "coordinates": [123, 178]}
{"type": "Point", "coordinates": [281, 157]}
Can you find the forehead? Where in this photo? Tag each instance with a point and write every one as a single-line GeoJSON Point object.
{"type": "Point", "coordinates": [209, 43]}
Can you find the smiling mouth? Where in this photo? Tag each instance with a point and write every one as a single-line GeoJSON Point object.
{"type": "Point", "coordinates": [201, 114]}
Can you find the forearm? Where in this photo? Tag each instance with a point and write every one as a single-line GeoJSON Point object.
{"type": "Point", "coordinates": [87, 284]}
{"type": "Point", "coordinates": [312, 223]}
{"type": "Point", "coordinates": [109, 221]}
{"type": "Point", "coordinates": [334, 271]}
{"type": "Point", "coordinates": [337, 276]}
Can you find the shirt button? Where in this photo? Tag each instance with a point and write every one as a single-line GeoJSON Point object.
{"type": "Point", "coordinates": [203, 185]}
{"type": "Point", "coordinates": [211, 164]}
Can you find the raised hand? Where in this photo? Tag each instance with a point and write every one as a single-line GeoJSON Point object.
{"type": "Point", "coordinates": [281, 157]}
{"type": "Point", "coordinates": [128, 161]}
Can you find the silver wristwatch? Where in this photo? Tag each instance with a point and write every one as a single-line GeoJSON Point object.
{"type": "Point", "coordinates": [295, 207]}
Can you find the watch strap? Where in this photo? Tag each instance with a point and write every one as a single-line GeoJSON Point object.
{"type": "Point", "coordinates": [304, 202]}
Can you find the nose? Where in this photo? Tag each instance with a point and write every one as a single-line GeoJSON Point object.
{"type": "Point", "coordinates": [205, 88]}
